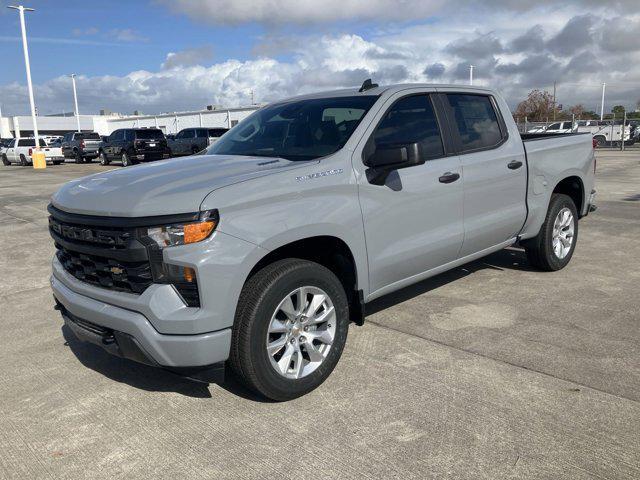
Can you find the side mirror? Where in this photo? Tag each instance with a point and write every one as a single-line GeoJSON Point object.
{"type": "Point", "coordinates": [386, 158]}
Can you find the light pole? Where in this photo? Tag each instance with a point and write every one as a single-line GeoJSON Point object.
{"type": "Point", "coordinates": [75, 100]}
{"type": "Point", "coordinates": [602, 104]}
{"type": "Point", "coordinates": [37, 159]}
{"type": "Point", "coordinates": [470, 74]}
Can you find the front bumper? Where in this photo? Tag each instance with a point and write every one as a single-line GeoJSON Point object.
{"type": "Point", "coordinates": [129, 334]}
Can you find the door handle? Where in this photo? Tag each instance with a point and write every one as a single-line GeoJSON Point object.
{"type": "Point", "coordinates": [514, 164]}
{"type": "Point", "coordinates": [449, 177]}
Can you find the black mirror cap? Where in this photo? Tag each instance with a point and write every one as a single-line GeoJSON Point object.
{"type": "Point", "coordinates": [391, 157]}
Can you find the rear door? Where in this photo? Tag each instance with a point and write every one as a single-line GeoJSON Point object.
{"type": "Point", "coordinates": [495, 173]}
{"type": "Point", "coordinates": [413, 222]}
{"type": "Point", "coordinates": [11, 150]}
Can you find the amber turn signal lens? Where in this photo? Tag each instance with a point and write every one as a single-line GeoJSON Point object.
{"type": "Point", "coordinates": [196, 232]}
{"type": "Point", "coordinates": [189, 274]}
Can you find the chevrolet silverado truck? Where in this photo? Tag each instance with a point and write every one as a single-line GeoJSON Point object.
{"type": "Point", "coordinates": [81, 146]}
{"type": "Point", "coordinates": [260, 253]}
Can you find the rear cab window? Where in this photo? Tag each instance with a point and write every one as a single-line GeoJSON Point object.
{"type": "Point", "coordinates": [475, 121]}
{"type": "Point", "coordinates": [150, 134]}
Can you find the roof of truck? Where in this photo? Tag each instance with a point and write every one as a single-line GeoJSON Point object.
{"type": "Point", "coordinates": [379, 90]}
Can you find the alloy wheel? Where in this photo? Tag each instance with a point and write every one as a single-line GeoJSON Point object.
{"type": "Point", "coordinates": [563, 233]}
{"type": "Point", "coordinates": [301, 332]}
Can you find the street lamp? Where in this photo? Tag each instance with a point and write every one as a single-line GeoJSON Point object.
{"type": "Point", "coordinates": [75, 100]}
{"type": "Point", "coordinates": [38, 157]}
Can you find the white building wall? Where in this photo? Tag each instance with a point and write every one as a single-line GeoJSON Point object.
{"type": "Point", "coordinates": [104, 125]}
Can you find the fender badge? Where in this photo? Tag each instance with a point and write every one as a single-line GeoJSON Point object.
{"type": "Point", "coordinates": [311, 176]}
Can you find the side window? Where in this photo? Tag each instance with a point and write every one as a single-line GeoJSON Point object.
{"type": "Point", "coordinates": [27, 142]}
{"type": "Point", "coordinates": [129, 135]}
{"type": "Point", "coordinates": [191, 133]}
{"type": "Point", "coordinates": [475, 120]}
{"type": "Point", "coordinates": [201, 133]}
{"type": "Point", "coordinates": [118, 135]}
{"type": "Point", "coordinates": [554, 126]}
{"type": "Point", "coordinates": [411, 120]}
{"type": "Point", "coordinates": [181, 134]}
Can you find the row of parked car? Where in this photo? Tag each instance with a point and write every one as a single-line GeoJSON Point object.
{"type": "Point", "coordinates": [127, 145]}
{"type": "Point", "coordinates": [603, 132]}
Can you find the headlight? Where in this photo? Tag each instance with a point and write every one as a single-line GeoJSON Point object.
{"type": "Point", "coordinates": [185, 233]}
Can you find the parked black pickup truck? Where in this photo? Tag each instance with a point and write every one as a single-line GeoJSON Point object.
{"type": "Point", "coordinates": [189, 141]}
{"type": "Point", "coordinates": [134, 145]}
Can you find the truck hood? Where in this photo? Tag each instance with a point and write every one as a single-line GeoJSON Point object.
{"type": "Point", "coordinates": [162, 188]}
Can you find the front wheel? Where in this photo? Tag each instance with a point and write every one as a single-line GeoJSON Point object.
{"type": "Point", "coordinates": [103, 159]}
{"type": "Point", "coordinates": [5, 161]}
{"type": "Point", "coordinates": [290, 329]}
{"type": "Point", "coordinates": [554, 245]}
{"type": "Point", "coordinates": [126, 161]}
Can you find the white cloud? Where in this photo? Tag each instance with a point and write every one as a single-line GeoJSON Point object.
{"type": "Point", "coordinates": [188, 57]}
{"type": "Point", "coordinates": [301, 11]}
{"type": "Point", "coordinates": [126, 35]}
{"type": "Point", "coordinates": [437, 51]}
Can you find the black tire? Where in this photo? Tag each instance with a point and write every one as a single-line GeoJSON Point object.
{"type": "Point", "coordinates": [259, 299]}
{"type": "Point", "coordinates": [103, 159]}
{"type": "Point", "coordinates": [23, 161]}
{"type": "Point", "coordinates": [539, 249]}
{"type": "Point", "coordinates": [126, 160]}
{"type": "Point", "coordinates": [58, 162]}
{"type": "Point", "coordinates": [5, 161]}
{"type": "Point", "coordinates": [601, 141]}
{"type": "Point", "coordinates": [78, 157]}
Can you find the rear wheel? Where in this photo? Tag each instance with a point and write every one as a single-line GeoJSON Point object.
{"type": "Point", "coordinates": [58, 162]}
{"type": "Point", "coordinates": [601, 141]}
{"type": "Point", "coordinates": [5, 161]}
{"type": "Point", "coordinates": [23, 161]}
{"type": "Point", "coordinates": [126, 161]}
{"type": "Point", "coordinates": [554, 245]}
{"type": "Point", "coordinates": [290, 329]}
{"type": "Point", "coordinates": [78, 157]}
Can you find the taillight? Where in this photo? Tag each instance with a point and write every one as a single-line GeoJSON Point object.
{"type": "Point", "coordinates": [30, 151]}
{"type": "Point", "coordinates": [82, 144]}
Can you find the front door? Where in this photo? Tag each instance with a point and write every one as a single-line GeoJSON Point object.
{"type": "Point", "coordinates": [413, 222]}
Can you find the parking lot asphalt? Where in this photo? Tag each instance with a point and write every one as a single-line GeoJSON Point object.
{"type": "Point", "coordinates": [492, 370]}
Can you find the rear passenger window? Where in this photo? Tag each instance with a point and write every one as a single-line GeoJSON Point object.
{"type": "Point", "coordinates": [27, 143]}
{"type": "Point", "coordinates": [476, 121]}
{"type": "Point", "coordinates": [411, 120]}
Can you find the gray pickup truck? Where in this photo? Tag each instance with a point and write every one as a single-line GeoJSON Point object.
{"type": "Point", "coordinates": [81, 146]}
{"type": "Point", "coordinates": [260, 253]}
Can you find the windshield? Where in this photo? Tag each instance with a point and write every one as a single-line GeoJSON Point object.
{"type": "Point", "coordinates": [298, 130]}
{"type": "Point", "coordinates": [149, 134]}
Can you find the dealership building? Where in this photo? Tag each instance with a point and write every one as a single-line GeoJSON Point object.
{"type": "Point", "coordinates": [213, 117]}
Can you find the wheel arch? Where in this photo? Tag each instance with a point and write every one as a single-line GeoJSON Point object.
{"type": "Point", "coordinates": [333, 253]}
{"type": "Point", "coordinates": [573, 187]}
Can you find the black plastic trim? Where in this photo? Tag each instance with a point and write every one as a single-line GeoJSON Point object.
{"type": "Point", "coordinates": [129, 222]}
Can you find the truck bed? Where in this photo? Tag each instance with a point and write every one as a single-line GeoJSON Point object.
{"type": "Point", "coordinates": [551, 158]}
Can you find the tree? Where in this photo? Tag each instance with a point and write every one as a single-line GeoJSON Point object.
{"type": "Point", "coordinates": [618, 110]}
{"type": "Point", "coordinates": [538, 106]}
{"type": "Point", "coordinates": [577, 110]}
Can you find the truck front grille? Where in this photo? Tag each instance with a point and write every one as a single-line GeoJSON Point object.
{"type": "Point", "coordinates": [131, 277]}
{"type": "Point", "coordinates": [115, 253]}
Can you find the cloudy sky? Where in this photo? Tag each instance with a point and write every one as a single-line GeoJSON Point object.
{"type": "Point", "coordinates": [169, 55]}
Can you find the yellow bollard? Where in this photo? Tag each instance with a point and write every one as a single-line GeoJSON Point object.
{"type": "Point", "coordinates": [39, 160]}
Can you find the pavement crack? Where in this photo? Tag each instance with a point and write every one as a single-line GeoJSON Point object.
{"type": "Point", "coordinates": [505, 362]}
